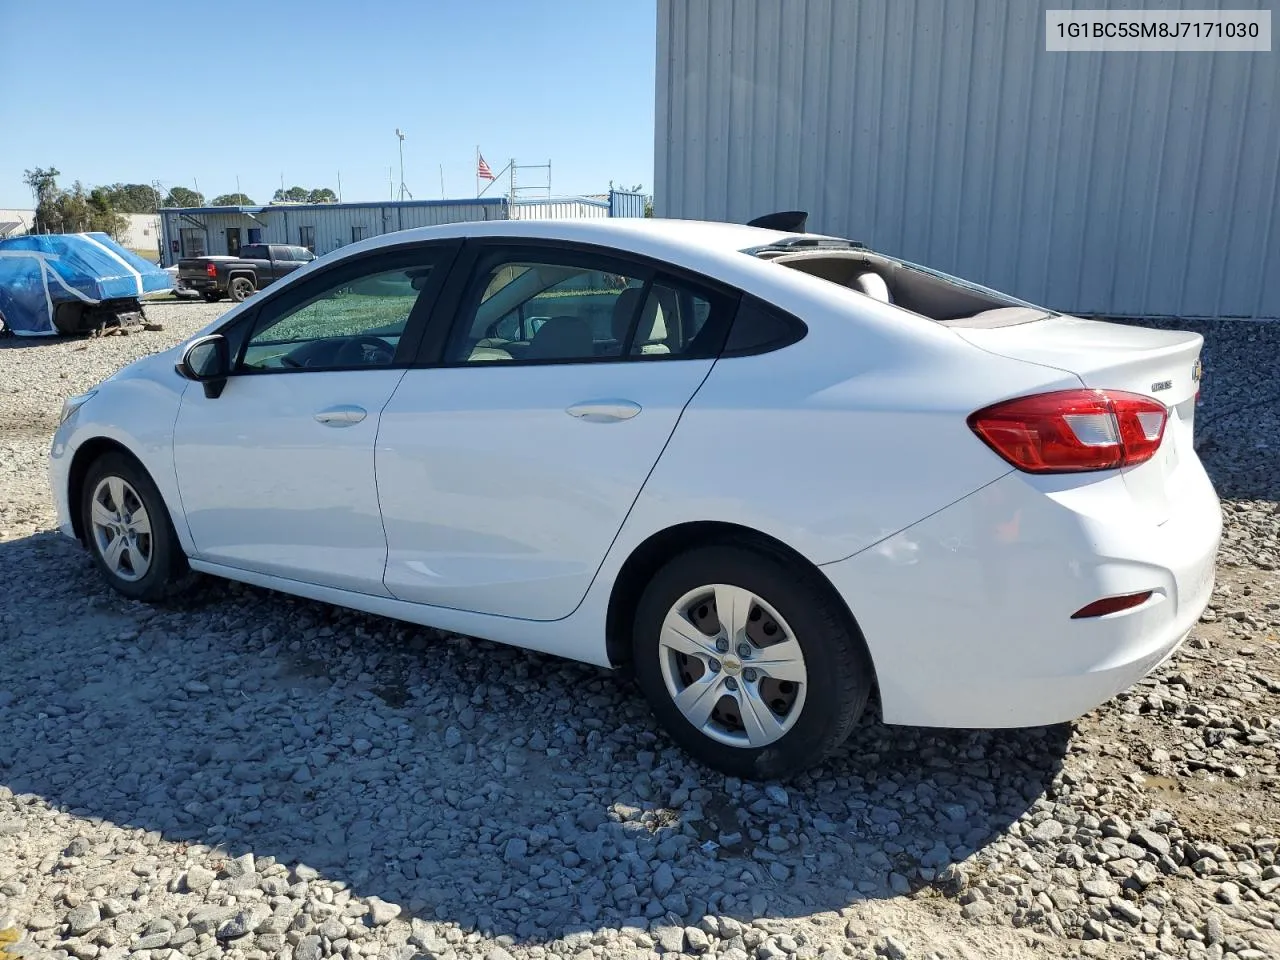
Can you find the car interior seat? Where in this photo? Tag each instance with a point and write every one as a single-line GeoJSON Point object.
{"type": "Point", "coordinates": [872, 284]}
{"type": "Point", "coordinates": [562, 338]}
{"type": "Point", "coordinates": [651, 332]}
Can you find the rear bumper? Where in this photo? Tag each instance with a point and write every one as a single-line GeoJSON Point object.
{"type": "Point", "coordinates": [968, 613]}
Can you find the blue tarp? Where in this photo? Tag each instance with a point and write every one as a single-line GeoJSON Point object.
{"type": "Point", "coordinates": [39, 271]}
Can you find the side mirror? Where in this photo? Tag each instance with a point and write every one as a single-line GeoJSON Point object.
{"type": "Point", "coordinates": [207, 361]}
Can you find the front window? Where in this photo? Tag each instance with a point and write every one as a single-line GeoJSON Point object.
{"type": "Point", "coordinates": [355, 323]}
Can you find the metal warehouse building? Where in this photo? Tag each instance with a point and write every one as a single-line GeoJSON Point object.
{"type": "Point", "coordinates": [1121, 184]}
{"type": "Point", "coordinates": [324, 227]}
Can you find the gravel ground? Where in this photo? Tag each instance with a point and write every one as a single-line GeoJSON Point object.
{"type": "Point", "coordinates": [248, 775]}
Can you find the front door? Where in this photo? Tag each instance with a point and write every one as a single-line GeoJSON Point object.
{"type": "Point", "coordinates": [192, 241]}
{"type": "Point", "coordinates": [505, 474]}
{"type": "Point", "coordinates": [233, 241]}
{"type": "Point", "coordinates": [276, 474]}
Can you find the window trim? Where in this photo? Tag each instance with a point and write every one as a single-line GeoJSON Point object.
{"type": "Point", "coordinates": [447, 317]}
{"type": "Point", "coordinates": [289, 297]}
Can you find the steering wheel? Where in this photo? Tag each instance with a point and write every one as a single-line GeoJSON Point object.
{"type": "Point", "coordinates": [364, 350]}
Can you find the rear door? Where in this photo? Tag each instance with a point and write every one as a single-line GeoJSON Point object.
{"type": "Point", "coordinates": [279, 263]}
{"type": "Point", "coordinates": [507, 466]}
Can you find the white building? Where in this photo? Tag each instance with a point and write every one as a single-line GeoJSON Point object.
{"type": "Point", "coordinates": [14, 223]}
{"type": "Point", "coordinates": [143, 234]}
{"type": "Point", "coordinates": [324, 227]}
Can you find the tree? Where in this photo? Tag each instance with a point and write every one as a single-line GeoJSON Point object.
{"type": "Point", "coordinates": [232, 200]}
{"type": "Point", "coordinates": [132, 197]}
{"type": "Point", "coordinates": [322, 195]}
{"type": "Point", "coordinates": [103, 217]}
{"type": "Point", "coordinates": [184, 197]}
{"type": "Point", "coordinates": [44, 186]}
{"type": "Point", "coordinates": [293, 195]}
{"type": "Point", "coordinates": [648, 208]}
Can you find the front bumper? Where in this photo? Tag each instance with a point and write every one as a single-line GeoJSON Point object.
{"type": "Point", "coordinates": [967, 614]}
{"type": "Point", "coordinates": [60, 457]}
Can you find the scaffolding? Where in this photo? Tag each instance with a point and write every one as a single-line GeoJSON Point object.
{"type": "Point", "coordinates": [518, 189]}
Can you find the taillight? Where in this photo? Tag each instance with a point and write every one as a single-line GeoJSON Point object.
{"type": "Point", "coordinates": [1069, 431]}
{"type": "Point", "coordinates": [211, 269]}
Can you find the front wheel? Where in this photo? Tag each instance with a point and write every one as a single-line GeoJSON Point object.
{"type": "Point", "coordinates": [128, 531]}
{"type": "Point", "coordinates": [753, 666]}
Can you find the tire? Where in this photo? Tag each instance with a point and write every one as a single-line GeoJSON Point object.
{"type": "Point", "coordinates": [806, 720]}
{"type": "Point", "coordinates": [152, 567]}
{"type": "Point", "coordinates": [241, 288]}
{"type": "Point", "coordinates": [211, 296]}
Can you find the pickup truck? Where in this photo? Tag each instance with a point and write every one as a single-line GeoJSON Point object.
{"type": "Point", "coordinates": [257, 266]}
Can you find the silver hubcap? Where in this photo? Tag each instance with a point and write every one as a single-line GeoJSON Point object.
{"type": "Point", "coordinates": [732, 666]}
{"type": "Point", "coordinates": [121, 528]}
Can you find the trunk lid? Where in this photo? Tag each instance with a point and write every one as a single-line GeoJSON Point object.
{"type": "Point", "coordinates": [1163, 364]}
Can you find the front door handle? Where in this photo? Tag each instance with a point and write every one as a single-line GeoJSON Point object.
{"type": "Point", "coordinates": [343, 416]}
{"type": "Point", "coordinates": [604, 411]}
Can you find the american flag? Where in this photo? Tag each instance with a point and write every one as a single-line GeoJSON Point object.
{"type": "Point", "coordinates": [482, 169]}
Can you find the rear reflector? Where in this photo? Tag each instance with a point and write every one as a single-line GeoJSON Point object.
{"type": "Point", "coordinates": [1070, 431]}
{"type": "Point", "coordinates": [1100, 608]}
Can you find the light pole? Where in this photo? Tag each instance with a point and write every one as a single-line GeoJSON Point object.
{"type": "Point", "coordinates": [403, 188]}
{"type": "Point", "coordinates": [401, 136]}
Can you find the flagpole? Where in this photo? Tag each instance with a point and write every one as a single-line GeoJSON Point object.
{"type": "Point", "coordinates": [476, 168]}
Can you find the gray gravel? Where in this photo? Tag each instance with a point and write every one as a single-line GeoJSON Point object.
{"type": "Point", "coordinates": [249, 775]}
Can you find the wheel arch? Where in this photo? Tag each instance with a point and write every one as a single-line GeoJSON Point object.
{"type": "Point", "coordinates": [650, 555]}
{"type": "Point", "coordinates": [85, 456]}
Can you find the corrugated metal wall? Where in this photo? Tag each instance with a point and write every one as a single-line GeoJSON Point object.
{"type": "Point", "coordinates": [624, 203]}
{"type": "Point", "coordinates": [335, 224]}
{"type": "Point", "coordinates": [558, 209]}
{"type": "Point", "coordinates": [1123, 184]}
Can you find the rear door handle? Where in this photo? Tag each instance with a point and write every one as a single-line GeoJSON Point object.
{"type": "Point", "coordinates": [342, 416]}
{"type": "Point", "coordinates": [604, 411]}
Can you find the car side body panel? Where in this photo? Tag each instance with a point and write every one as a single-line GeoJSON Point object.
{"type": "Point", "coordinates": [137, 412]}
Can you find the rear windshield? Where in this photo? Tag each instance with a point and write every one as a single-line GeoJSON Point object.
{"type": "Point", "coordinates": [922, 290]}
{"type": "Point", "coordinates": [254, 251]}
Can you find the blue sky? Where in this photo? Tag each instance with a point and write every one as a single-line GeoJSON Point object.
{"type": "Point", "coordinates": [182, 92]}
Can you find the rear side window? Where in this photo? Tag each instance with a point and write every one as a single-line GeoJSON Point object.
{"type": "Point", "coordinates": [759, 327]}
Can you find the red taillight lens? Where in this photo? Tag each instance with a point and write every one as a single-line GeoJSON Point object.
{"type": "Point", "coordinates": [1070, 431]}
{"type": "Point", "coordinates": [211, 269]}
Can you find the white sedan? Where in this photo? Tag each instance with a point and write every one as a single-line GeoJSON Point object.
{"type": "Point", "coordinates": [769, 472]}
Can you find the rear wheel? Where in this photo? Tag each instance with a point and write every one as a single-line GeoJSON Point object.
{"type": "Point", "coordinates": [751, 665]}
{"type": "Point", "coordinates": [128, 530]}
{"type": "Point", "coordinates": [241, 288]}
